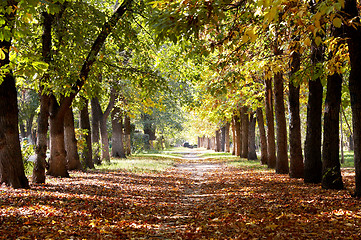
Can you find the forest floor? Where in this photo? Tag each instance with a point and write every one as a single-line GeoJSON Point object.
{"type": "Point", "coordinates": [198, 198]}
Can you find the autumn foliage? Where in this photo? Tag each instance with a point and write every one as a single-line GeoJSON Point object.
{"type": "Point", "coordinates": [193, 200]}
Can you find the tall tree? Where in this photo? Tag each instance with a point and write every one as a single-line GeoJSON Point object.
{"type": "Point", "coordinates": [117, 134]}
{"type": "Point", "coordinates": [72, 156]}
{"type": "Point", "coordinates": [252, 138]}
{"type": "Point", "coordinates": [263, 138]}
{"type": "Point", "coordinates": [85, 126]}
{"type": "Point", "coordinates": [353, 40]}
{"type": "Point", "coordinates": [271, 142]}
{"type": "Point", "coordinates": [312, 150]}
{"type": "Point", "coordinates": [11, 164]}
{"type": "Point", "coordinates": [296, 158]}
{"type": "Point", "coordinates": [245, 127]}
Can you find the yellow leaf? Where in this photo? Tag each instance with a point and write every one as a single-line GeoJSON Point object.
{"type": "Point", "coordinates": [337, 22]}
{"type": "Point", "coordinates": [307, 41]}
{"type": "Point", "coordinates": [318, 40]}
{"type": "Point", "coordinates": [2, 54]}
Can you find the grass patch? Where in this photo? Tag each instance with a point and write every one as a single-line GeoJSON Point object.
{"type": "Point", "coordinates": [349, 160]}
{"type": "Point", "coordinates": [138, 164]}
{"type": "Point", "coordinates": [249, 164]}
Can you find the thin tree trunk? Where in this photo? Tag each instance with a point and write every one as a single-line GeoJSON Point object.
{"type": "Point", "coordinates": [238, 143]}
{"type": "Point", "coordinates": [223, 138]}
{"type": "Point", "coordinates": [312, 151]}
{"type": "Point", "coordinates": [233, 136]}
{"type": "Point", "coordinates": [43, 117]}
{"type": "Point", "coordinates": [85, 125]}
{"type": "Point", "coordinates": [342, 142]}
{"type": "Point", "coordinates": [271, 142]}
{"type": "Point", "coordinates": [226, 135]}
{"type": "Point", "coordinates": [262, 133]}
{"type": "Point", "coordinates": [245, 127]}
{"type": "Point", "coordinates": [296, 158]}
{"type": "Point", "coordinates": [281, 127]}
{"type": "Point", "coordinates": [95, 135]}
{"type": "Point", "coordinates": [127, 132]}
{"type": "Point", "coordinates": [72, 156]}
{"type": "Point", "coordinates": [252, 138]}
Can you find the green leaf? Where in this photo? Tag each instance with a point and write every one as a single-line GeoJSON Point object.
{"type": "Point", "coordinates": [2, 54]}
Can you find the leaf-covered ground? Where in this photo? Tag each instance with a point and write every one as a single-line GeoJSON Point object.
{"type": "Point", "coordinates": [194, 200]}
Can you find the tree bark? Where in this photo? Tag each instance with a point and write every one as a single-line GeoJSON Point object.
{"type": "Point", "coordinates": [238, 143]}
{"type": "Point", "coordinates": [95, 135]}
{"type": "Point", "coordinates": [354, 45]}
{"type": "Point", "coordinates": [226, 135]}
{"type": "Point", "coordinates": [312, 151]}
{"type": "Point", "coordinates": [281, 127]}
{"type": "Point", "coordinates": [262, 133]}
{"type": "Point", "coordinates": [43, 124]}
{"type": "Point", "coordinates": [218, 141]}
{"type": "Point", "coordinates": [72, 156]}
{"type": "Point", "coordinates": [117, 137]}
{"type": "Point", "coordinates": [85, 125]}
{"type": "Point", "coordinates": [271, 144]}
{"type": "Point", "coordinates": [223, 138]}
{"type": "Point", "coordinates": [331, 172]}
{"type": "Point", "coordinates": [252, 138]}
{"type": "Point", "coordinates": [296, 158]}
{"type": "Point", "coordinates": [233, 136]}
{"type": "Point", "coordinates": [245, 127]}
{"type": "Point", "coordinates": [127, 132]}
{"type": "Point", "coordinates": [11, 165]}
{"type": "Point", "coordinates": [57, 161]}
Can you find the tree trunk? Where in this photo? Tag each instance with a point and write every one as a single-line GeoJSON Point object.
{"type": "Point", "coordinates": [117, 137]}
{"type": "Point", "coordinates": [296, 158]}
{"type": "Point", "coordinates": [85, 125]}
{"type": "Point", "coordinates": [354, 45]}
{"type": "Point", "coordinates": [41, 148]}
{"type": "Point", "coordinates": [95, 136]}
{"type": "Point", "coordinates": [223, 139]}
{"type": "Point", "coordinates": [312, 151]}
{"type": "Point", "coordinates": [252, 138]}
{"type": "Point", "coordinates": [72, 156]}
{"type": "Point", "coordinates": [331, 172]}
{"type": "Point", "coordinates": [105, 154]}
{"type": "Point", "coordinates": [11, 165]}
{"type": "Point", "coordinates": [245, 126]}
{"type": "Point", "coordinates": [262, 133]}
{"type": "Point", "coordinates": [238, 143]}
{"type": "Point", "coordinates": [226, 135]}
{"type": "Point", "coordinates": [281, 127]}
{"type": "Point", "coordinates": [127, 131]}
{"type": "Point", "coordinates": [271, 144]}
{"type": "Point", "coordinates": [57, 161]}
{"type": "Point", "coordinates": [233, 136]}
{"type": "Point", "coordinates": [218, 141]}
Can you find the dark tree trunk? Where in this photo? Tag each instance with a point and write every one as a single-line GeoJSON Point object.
{"type": "Point", "coordinates": [226, 135]}
{"type": "Point", "coordinates": [43, 124]}
{"type": "Point", "coordinates": [117, 137]}
{"type": "Point", "coordinates": [208, 143]}
{"type": "Point", "coordinates": [233, 136]}
{"type": "Point", "coordinates": [354, 45]}
{"type": "Point", "coordinates": [57, 161]}
{"type": "Point", "coordinates": [85, 125]}
{"type": "Point", "coordinates": [312, 151]}
{"type": "Point", "coordinates": [245, 126]}
{"type": "Point", "coordinates": [72, 156]}
{"type": "Point", "coordinates": [29, 126]}
{"type": "Point", "coordinates": [238, 143]}
{"type": "Point", "coordinates": [41, 146]}
{"type": "Point", "coordinates": [281, 127]}
{"type": "Point", "coordinates": [271, 142]}
{"type": "Point", "coordinates": [11, 165]}
{"type": "Point", "coordinates": [262, 133]}
{"type": "Point", "coordinates": [95, 135]}
{"type": "Point", "coordinates": [252, 138]}
{"type": "Point", "coordinates": [127, 131]}
{"type": "Point", "coordinates": [223, 138]}
{"type": "Point", "coordinates": [296, 158]}
{"type": "Point", "coordinates": [218, 141]}
{"type": "Point", "coordinates": [331, 172]}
